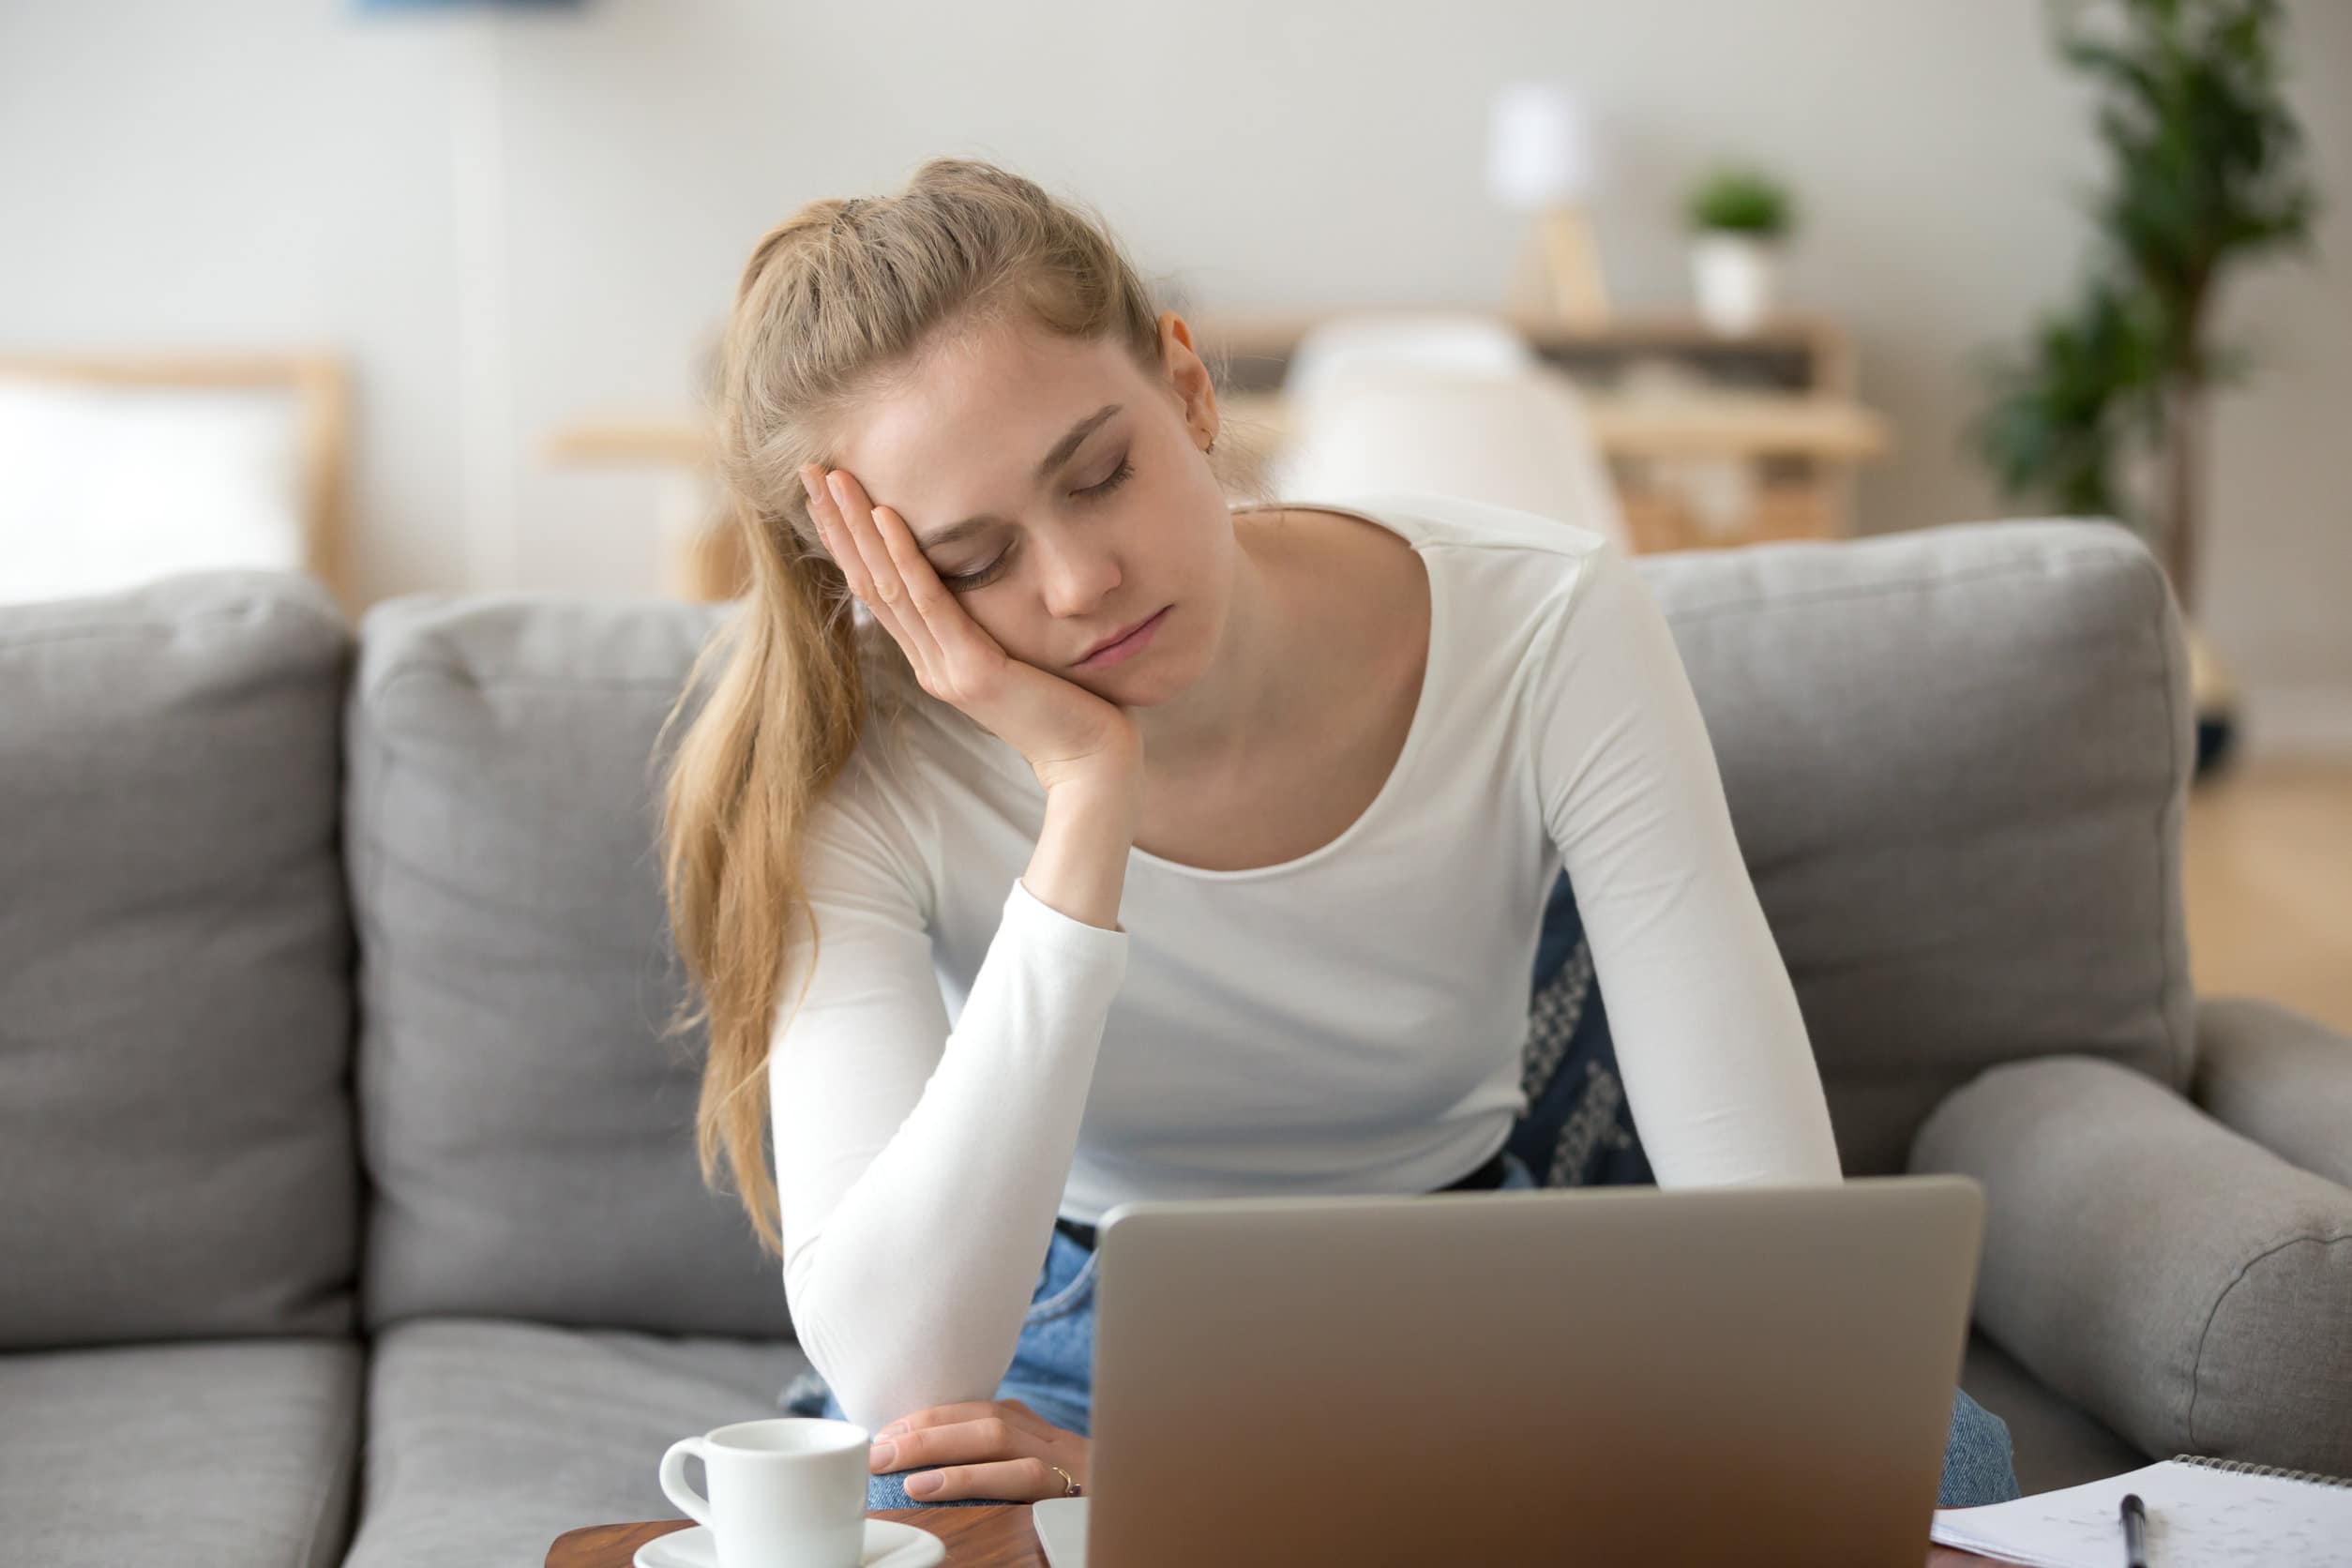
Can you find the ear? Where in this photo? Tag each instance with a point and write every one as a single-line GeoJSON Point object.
{"type": "Point", "coordinates": [1188, 375]}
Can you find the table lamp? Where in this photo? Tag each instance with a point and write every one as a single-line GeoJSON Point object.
{"type": "Point", "coordinates": [1542, 158]}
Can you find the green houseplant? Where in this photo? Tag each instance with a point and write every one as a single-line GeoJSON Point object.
{"type": "Point", "coordinates": [1737, 216]}
{"type": "Point", "coordinates": [1743, 200]}
{"type": "Point", "coordinates": [2104, 411]}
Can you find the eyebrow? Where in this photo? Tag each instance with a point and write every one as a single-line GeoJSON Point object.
{"type": "Point", "coordinates": [1063, 450]}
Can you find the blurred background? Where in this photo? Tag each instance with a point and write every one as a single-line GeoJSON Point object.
{"type": "Point", "coordinates": [417, 296]}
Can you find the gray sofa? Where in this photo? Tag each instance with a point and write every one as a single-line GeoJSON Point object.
{"type": "Point", "coordinates": [348, 1202]}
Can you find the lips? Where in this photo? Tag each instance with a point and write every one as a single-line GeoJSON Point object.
{"type": "Point", "coordinates": [1120, 636]}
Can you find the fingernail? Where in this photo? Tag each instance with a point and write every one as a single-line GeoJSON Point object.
{"type": "Point", "coordinates": [922, 1485]}
{"type": "Point", "coordinates": [885, 1454]}
{"type": "Point", "coordinates": [894, 1428]}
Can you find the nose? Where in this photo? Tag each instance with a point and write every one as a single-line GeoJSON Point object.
{"type": "Point", "coordinates": [1076, 573]}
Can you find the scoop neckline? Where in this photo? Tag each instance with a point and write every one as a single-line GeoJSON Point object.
{"type": "Point", "coordinates": [1416, 733]}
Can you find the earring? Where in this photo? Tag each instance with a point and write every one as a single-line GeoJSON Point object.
{"type": "Point", "coordinates": [1211, 447]}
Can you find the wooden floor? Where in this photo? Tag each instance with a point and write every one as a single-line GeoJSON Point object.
{"type": "Point", "coordinates": [2267, 876]}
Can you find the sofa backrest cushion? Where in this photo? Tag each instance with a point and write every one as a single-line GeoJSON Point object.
{"type": "Point", "coordinates": [529, 1132]}
{"type": "Point", "coordinates": [1957, 760]}
{"type": "Point", "coordinates": [176, 1143]}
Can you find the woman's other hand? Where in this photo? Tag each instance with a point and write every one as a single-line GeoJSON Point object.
{"type": "Point", "coordinates": [996, 1448]}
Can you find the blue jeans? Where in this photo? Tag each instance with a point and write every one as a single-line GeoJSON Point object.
{"type": "Point", "coordinates": [1577, 1131]}
{"type": "Point", "coordinates": [1053, 1367]}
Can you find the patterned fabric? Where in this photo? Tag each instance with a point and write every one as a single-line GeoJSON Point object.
{"type": "Point", "coordinates": [1577, 1131]}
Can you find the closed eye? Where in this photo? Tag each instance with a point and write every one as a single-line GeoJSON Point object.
{"type": "Point", "coordinates": [978, 575]}
{"type": "Point", "coordinates": [1118, 476]}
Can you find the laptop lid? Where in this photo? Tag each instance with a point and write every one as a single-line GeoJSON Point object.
{"type": "Point", "coordinates": [1630, 1374]}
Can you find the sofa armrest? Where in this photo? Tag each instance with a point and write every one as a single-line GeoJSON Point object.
{"type": "Point", "coordinates": [2280, 1078]}
{"type": "Point", "coordinates": [2181, 1283]}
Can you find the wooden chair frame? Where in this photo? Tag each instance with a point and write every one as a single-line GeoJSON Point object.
{"type": "Point", "coordinates": [323, 392]}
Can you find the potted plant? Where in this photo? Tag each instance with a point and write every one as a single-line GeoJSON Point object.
{"type": "Point", "coordinates": [1739, 216]}
{"type": "Point", "coordinates": [2104, 411]}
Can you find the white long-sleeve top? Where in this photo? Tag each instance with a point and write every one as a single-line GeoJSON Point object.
{"type": "Point", "coordinates": [968, 1061]}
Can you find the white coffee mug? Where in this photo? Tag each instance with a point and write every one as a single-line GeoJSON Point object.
{"type": "Point", "coordinates": [788, 1492]}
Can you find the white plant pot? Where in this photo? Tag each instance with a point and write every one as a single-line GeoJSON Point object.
{"type": "Point", "coordinates": [1732, 276]}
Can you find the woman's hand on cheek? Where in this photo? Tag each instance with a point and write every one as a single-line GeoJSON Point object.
{"type": "Point", "coordinates": [1063, 730]}
{"type": "Point", "coordinates": [997, 1448]}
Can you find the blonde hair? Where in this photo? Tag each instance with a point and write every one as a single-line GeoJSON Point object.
{"type": "Point", "coordinates": [838, 305]}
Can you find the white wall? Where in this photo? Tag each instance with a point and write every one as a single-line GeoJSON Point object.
{"type": "Point", "coordinates": [253, 171]}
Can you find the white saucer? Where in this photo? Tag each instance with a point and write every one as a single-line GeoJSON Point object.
{"type": "Point", "coordinates": [888, 1544]}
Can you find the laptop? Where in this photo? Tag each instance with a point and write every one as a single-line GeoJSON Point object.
{"type": "Point", "coordinates": [1694, 1376]}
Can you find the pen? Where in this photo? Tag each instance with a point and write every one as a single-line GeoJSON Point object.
{"type": "Point", "coordinates": [2134, 1531]}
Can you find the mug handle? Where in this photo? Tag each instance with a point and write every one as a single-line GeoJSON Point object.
{"type": "Point", "coordinates": [673, 1482]}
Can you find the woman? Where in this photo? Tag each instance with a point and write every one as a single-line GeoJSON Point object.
{"type": "Point", "coordinates": [1227, 830]}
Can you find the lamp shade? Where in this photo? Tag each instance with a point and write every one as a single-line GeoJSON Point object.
{"type": "Point", "coordinates": [1542, 150]}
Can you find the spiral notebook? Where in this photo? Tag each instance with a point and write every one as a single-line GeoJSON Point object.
{"type": "Point", "coordinates": [2213, 1513]}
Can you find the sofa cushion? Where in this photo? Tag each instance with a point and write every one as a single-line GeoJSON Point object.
{"type": "Point", "coordinates": [228, 1453]}
{"type": "Point", "coordinates": [1956, 760]}
{"type": "Point", "coordinates": [487, 1440]}
{"type": "Point", "coordinates": [2278, 1077]}
{"type": "Point", "coordinates": [176, 1140]}
{"type": "Point", "coordinates": [2180, 1282]}
{"type": "Point", "coordinates": [530, 1132]}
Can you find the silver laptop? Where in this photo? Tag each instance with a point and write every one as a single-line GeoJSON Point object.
{"type": "Point", "coordinates": [1711, 1375]}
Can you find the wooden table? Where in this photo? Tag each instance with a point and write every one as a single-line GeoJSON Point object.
{"type": "Point", "coordinates": [997, 1536]}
